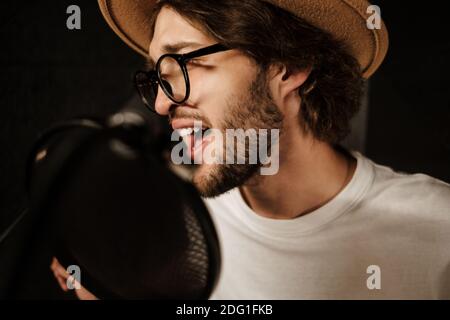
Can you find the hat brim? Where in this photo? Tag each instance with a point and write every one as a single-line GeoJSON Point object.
{"type": "Point", "coordinates": [346, 20]}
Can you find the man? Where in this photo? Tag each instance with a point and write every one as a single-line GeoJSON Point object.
{"type": "Point", "coordinates": [330, 224]}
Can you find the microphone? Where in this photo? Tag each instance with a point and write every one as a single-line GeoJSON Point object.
{"type": "Point", "coordinates": [114, 208]}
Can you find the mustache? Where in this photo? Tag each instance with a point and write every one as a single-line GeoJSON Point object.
{"type": "Point", "coordinates": [179, 113]}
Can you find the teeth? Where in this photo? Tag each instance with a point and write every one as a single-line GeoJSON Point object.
{"type": "Point", "coordinates": [185, 132]}
{"type": "Point", "coordinates": [188, 131]}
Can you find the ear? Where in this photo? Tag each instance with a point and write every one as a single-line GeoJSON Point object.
{"type": "Point", "coordinates": [284, 84]}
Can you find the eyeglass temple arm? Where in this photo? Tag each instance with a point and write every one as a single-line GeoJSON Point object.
{"type": "Point", "coordinates": [205, 51]}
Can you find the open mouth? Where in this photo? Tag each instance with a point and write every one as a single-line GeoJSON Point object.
{"type": "Point", "coordinates": [196, 138]}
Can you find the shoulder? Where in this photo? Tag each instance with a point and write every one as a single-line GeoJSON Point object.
{"type": "Point", "coordinates": [413, 195]}
{"type": "Point", "coordinates": [412, 210]}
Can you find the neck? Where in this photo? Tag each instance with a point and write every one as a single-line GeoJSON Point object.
{"type": "Point", "coordinates": [311, 173]}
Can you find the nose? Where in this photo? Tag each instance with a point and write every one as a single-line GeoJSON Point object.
{"type": "Point", "coordinates": [162, 103]}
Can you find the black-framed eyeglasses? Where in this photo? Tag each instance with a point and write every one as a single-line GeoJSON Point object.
{"type": "Point", "coordinates": [172, 75]}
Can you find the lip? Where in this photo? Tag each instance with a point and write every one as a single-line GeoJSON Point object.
{"type": "Point", "coordinates": [184, 123]}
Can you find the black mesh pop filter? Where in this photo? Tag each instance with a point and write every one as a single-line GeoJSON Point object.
{"type": "Point", "coordinates": [135, 229]}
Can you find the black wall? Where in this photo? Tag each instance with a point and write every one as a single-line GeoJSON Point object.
{"type": "Point", "coordinates": [409, 117]}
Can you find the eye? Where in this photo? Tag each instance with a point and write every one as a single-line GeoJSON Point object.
{"type": "Point", "coordinates": [195, 61]}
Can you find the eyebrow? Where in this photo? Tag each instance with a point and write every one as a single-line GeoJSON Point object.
{"type": "Point", "coordinates": [173, 48]}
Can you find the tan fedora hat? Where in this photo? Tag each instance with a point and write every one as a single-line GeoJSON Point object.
{"type": "Point", "coordinates": [346, 20]}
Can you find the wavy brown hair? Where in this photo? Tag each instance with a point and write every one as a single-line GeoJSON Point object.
{"type": "Point", "coordinates": [271, 35]}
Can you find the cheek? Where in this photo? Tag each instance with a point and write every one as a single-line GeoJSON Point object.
{"type": "Point", "coordinates": [212, 92]}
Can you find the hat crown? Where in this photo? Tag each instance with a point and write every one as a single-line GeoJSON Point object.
{"type": "Point", "coordinates": [345, 20]}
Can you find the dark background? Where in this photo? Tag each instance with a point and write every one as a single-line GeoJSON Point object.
{"type": "Point", "coordinates": [49, 73]}
{"type": "Point", "coordinates": [409, 110]}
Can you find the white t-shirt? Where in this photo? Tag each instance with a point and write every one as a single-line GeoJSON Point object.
{"type": "Point", "coordinates": [385, 236]}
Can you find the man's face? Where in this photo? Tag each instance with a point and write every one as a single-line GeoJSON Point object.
{"type": "Point", "coordinates": [227, 92]}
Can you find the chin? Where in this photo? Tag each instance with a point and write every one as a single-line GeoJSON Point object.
{"type": "Point", "coordinates": [214, 180]}
{"type": "Point", "coordinates": [206, 180]}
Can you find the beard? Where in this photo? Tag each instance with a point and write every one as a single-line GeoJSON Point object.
{"type": "Point", "coordinates": [254, 109]}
